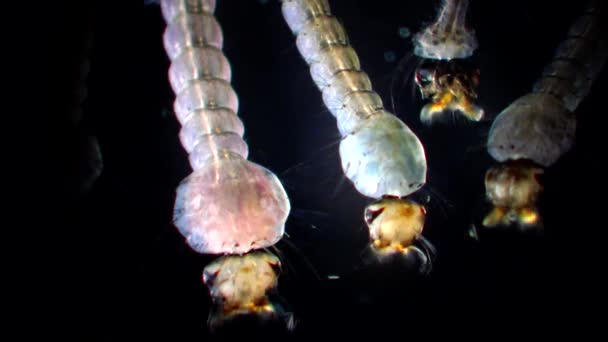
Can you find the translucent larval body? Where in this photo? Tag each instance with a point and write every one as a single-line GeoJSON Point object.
{"type": "Point", "coordinates": [381, 156]}
{"type": "Point", "coordinates": [540, 126]}
{"type": "Point", "coordinates": [382, 148]}
{"type": "Point", "coordinates": [447, 37]}
{"type": "Point", "coordinates": [536, 127]}
{"type": "Point", "coordinates": [379, 153]}
{"type": "Point", "coordinates": [228, 204]}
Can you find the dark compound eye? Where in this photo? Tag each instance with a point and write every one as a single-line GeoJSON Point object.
{"type": "Point", "coordinates": [371, 215]}
{"type": "Point", "coordinates": [424, 76]}
{"type": "Point", "coordinates": [209, 277]}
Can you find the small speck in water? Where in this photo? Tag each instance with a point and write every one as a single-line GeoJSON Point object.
{"type": "Point", "coordinates": [404, 32]}
{"type": "Point", "coordinates": [166, 113]}
{"type": "Point", "coordinates": [263, 2]}
{"type": "Point", "coordinates": [472, 233]}
{"type": "Point", "coordinates": [390, 56]}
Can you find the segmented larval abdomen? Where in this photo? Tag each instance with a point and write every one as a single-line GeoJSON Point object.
{"type": "Point", "coordinates": [172, 8]}
{"type": "Point", "coordinates": [228, 204]}
{"type": "Point", "coordinates": [448, 37]}
{"type": "Point", "coordinates": [536, 127]}
{"type": "Point", "coordinates": [379, 153]}
{"type": "Point", "coordinates": [577, 61]}
{"type": "Point", "coordinates": [298, 13]}
{"type": "Point", "coordinates": [541, 126]}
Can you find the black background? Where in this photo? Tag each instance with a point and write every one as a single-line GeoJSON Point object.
{"type": "Point", "coordinates": [128, 272]}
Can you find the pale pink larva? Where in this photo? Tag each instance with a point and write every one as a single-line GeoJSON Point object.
{"type": "Point", "coordinates": [228, 204]}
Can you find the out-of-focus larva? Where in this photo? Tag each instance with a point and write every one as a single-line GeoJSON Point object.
{"type": "Point", "coordinates": [381, 156]}
{"type": "Point", "coordinates": [228, 205]}
{"type": "Point", "coordinates": [76, 71]}
{"type": "Point", "coordinates": [540, 126]}
{"type": "Point", "coordinates": [450, 84]}
{"type": "Point", "coordinates": [513, 189]}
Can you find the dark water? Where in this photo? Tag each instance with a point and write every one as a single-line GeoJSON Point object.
{"type": "Point", "coordinates": [132, 274]}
